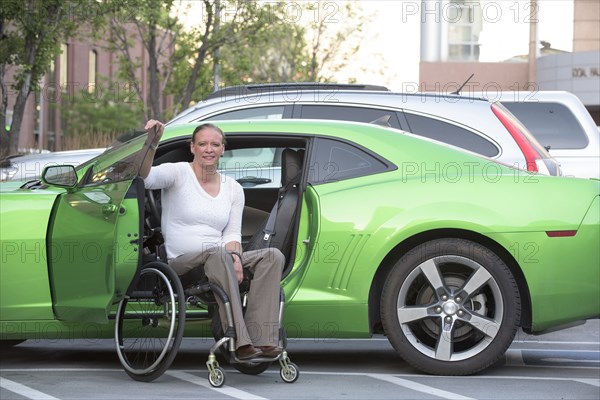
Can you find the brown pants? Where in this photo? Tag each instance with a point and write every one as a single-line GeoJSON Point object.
{"type": "Point", "coordinates": [260, 326]}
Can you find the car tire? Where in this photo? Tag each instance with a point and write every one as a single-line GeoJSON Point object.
{"type": "Point", "coordinates": [450, 307]}
{"type": "Point", "coordinates": [9, 343]}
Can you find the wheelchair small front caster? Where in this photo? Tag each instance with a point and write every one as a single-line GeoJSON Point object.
{"type": "Point", "coordinates": [289, 371]}
{"type": "Point", "coordinates": [216, 377]}
{"type": "Point", "coordinates": [216, 374]}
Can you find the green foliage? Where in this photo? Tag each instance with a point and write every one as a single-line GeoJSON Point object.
{"type": "Point", "coordinates": [256, 42]}
{"type": "Point", "coordinates": [31, 32]}
{"type": "Point", "coordinates": [106, 111]}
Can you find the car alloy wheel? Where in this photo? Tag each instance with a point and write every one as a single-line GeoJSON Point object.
{"type": "Point", "coordinates": [450, 307]}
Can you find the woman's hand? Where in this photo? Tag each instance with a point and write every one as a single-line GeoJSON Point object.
{"type": "Point", "coordinates": [238, 268]}
{"type": "Point", "coordinates": [152, 123]}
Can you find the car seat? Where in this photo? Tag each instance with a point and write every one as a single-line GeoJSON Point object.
{"type": "Point", "coordinates": [277, 230]}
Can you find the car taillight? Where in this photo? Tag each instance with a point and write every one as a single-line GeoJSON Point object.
{"type": "Point", "coordinates": [532, 156]}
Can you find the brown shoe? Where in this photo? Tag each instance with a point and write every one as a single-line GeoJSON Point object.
{"type": "Point", "coordinates": [248, 352]}
{"type": "Point", "coordinates": [270, 351]}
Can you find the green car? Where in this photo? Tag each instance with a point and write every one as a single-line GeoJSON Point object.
{"type": "Point", "coordinates": [445, 252]}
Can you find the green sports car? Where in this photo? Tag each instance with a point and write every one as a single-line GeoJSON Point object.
{"type": "Point", "coordinates": [443, 251]}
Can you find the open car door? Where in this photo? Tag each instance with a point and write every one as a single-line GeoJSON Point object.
{"type": "Point", "coordinates": [95, 235]}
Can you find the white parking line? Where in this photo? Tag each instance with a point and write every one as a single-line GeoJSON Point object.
{"type": "Point", "coordinates": [228, 391]}
{"type": "Point", "coordinates": [593, 382]}
{"type": "Point", "coordinates": [24, 391]}
{"type": "Point", "coordinates": [419, 387]}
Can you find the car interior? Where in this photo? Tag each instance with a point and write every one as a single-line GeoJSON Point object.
{"type": "Point", "coordinates": [271, 208]}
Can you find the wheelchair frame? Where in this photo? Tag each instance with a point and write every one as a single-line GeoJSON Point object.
{"type": "Point", "coordinates": [149, 328]}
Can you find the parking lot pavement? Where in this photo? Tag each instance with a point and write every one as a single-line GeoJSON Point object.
{"type": "Point", "coordinates": [553, 366]}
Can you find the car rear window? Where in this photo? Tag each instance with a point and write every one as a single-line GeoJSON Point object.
{"type": "Point", "coordinates": [348, 113]}
{"type": "Point", "coordinates": [449, 133]}
{"type": "Point", "coordinates": [552, 124]}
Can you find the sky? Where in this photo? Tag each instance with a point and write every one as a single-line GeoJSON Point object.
{"type": "Point", "coordinates": [389, 53]}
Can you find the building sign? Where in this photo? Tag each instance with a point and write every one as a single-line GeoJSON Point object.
{"type": "Point", "coordinates": [581, 72]}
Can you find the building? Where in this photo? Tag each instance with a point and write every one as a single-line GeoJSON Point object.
{"type": "Point", "coordinates": [87, 68]}
{"type": "Point", "coordinates": [450, 48]}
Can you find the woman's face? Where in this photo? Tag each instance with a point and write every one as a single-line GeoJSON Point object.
{"type": "Point", "coordinates": [207, 147]}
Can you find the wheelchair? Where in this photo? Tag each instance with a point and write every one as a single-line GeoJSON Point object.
{"type": "Point", "coordinates": [150, 322]}
{"type": "Point", "coordinates": [151, 318]}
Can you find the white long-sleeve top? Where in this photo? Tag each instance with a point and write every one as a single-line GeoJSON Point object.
{"type": "Point", "coordinates": [192, 220]}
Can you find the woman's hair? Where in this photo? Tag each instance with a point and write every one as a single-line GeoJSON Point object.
{"type": "Point", "coordinates": [206, 126]}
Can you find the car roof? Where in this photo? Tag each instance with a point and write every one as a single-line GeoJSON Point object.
{"type": "Point", "coordinates": [244, 90]}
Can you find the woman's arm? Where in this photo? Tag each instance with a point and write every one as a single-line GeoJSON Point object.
{"type": "Point", "coordinates": [155, 129]}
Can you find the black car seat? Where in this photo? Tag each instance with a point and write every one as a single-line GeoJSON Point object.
{"type": "Point", "coordinates": [277, 230]}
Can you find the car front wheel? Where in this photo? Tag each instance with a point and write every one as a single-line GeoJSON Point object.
{"type": "Point", "coordinates": [450, 307]}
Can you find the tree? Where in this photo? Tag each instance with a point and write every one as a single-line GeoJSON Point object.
{"type": "Point", "coordinates": [334, 35]}
{"type": "Point", "coordinates": [276, 54]}
{"type": "Point", "coordinates": [158, 31]}
{"type": "Point", "coordinates": [31, 32]}
{"type": "Point", "coordinates": [231, 28]}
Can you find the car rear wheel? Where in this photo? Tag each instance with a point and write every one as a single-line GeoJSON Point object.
{"type": "Point", "coordinates": [450, 307]}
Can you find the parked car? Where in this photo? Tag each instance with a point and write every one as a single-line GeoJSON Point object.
{"type": "Point", "coordinates": [30, 166]}
{"type": "Point", "coordinates": [473, 124]}
{"type": "Point", "coordinates": [562, 124]}
{"type": "Point", "coordinates": [371, 245]}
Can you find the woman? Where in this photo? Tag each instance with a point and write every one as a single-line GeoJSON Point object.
{"type": "Point", "coordinates": [201, 223]}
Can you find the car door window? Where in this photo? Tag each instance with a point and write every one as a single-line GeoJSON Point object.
{"type": "Point", "coordinates": [120, 163]}
{"type": "Point", "coordinates": [449, 133]}
{"type": "Point", "coordinates": [552, 124]}
{"type": "Point", "coordinates": [335, 160]}
{"type": "Point", "coordinates": [272, 112]}
{"type": "Point", "coordinates": [257, 166]}
{"type": "Point", "coordinates": [349, 113]}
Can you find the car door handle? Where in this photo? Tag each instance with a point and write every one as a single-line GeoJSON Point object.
{"type": "Point", "coordinates": [109, 209]}
{"type": "Point", "coordinates": [249, 181]}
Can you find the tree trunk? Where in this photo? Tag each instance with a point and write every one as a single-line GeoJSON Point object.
{"type": "Point", "coordinates": [153, 100]}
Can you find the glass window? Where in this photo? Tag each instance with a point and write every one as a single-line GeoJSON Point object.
{"type": "Point", "coordinates": [64, 65]}
{"type": "Point", "coordinates": [552, 124]}
{"type": "Point", "coordinates": [93, 67]}
{"type": "Point", "coordinates": [449, 133]}
{"type": "Point", "coordinates": [335, 160]}
{"type": "Point", "coordinates": [259, 166]}
{"type": "Point", "coordinates": [464, 27]}
{"type": "Point", "coordinates": [121, 162]}
{"type": "Point", "coordinates": [348, 113]}
{"type": "Point", "coordinates": [272, 112]}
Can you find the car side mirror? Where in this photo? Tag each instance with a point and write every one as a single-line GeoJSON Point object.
{"type": "Point", "coordinates": [60, 175]}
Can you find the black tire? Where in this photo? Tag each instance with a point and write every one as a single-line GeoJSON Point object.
{"type": "Point", "coordinates": [248, 368]}
{"type": "Point", "coordinates": [9, 343]}
{"type": "Point", "coordinates": [150, 323]}
{"type": "Point", "coordinates": [450, 307]}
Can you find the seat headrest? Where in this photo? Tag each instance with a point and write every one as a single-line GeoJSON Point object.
{"type": "Point", "coordinates": [291, 166]}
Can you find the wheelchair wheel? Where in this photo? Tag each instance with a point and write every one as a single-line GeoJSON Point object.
{"type": "Point", "coordinates": [248, 368]}
{"type": "Point", "coordinates": [150, 322]}
{"type": "Point", "coordinates": [216, 378]}
{"type": "Point", "coordinates": [289, 373]}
